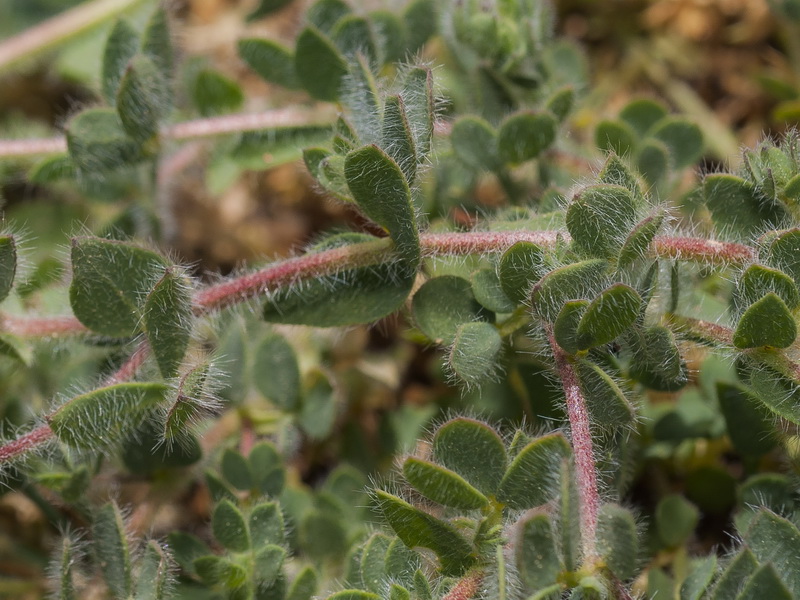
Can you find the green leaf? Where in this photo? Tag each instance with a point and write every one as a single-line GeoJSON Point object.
{"type": "Point", "coordinates": [323, 536]}
{"type": "Point", "coordinates": [565, 328]}
{"type": "Point", "coordinates": [143, 453]}
{"type": "Point", "coordinates": [267, 469]}
{"type": "Point", "coordinates": [53, 168]}
{"type": "Point", "coordinates": [606, 402]}
{"type": "Point", "coordinates": [735, 206]}
{"type": "Point", "coordinates": [642, 114]}
{"type": "Point", "coordinates": [767, 322]}
{"type": "Point", "coordinates": [696, 582]}
{"type": "Point", "coordinates": [101, 417]}
{"type": "Point", "coordinates": [561, 102]}
{"type": "Point", "coordinates": [373, 562]}
{"type": "Point", "coordinates": [185, 548]}
{"type": "Point", "coordinates": [121, 46]}
{"type": "Point", "coordinates": [8, 265]}
{"type": "Point", "coordinates": [654, 161]}
{"type": "Point", "coordinates": [397, 592]}
{"type": "Point", "coordinates": [111, 549]}
{"type": "Point", "coordinates": [519, 268]}
{"type": "Point", "coordinates": [236, 470]}
{"type": "Point", "coordinates": [154, 574]}
{"type": "Point", "coordinates": [612, 312]}
{"type": "Point", "coordinates": [97, 142]}
{"type": "Point", "coordinates": [638, 241]}
{"type": "Point", "coordinates": [489, 293]}
{"type": "Point", "coordinates": [229, 527]}
{"type": "Point", "coordinates": [765, 583]}
{"type": "Point", "coordinates": [397, 138]}
{"type": "Point", "coordinates": [353, 595]}
{"type": "Point", "coordinates": [528, 482]}
{"type": "Point", "coordinates": [318, 412]}
{"type": "Point", "coordinates": [656, 361]}
{"type": "Point", "coordinates": [266, 525]}
{"type": "Point", "coordinates": [418, 528]}
{"type": "Point", "coordinates": [475, 144]}
{"type": "Point", "coordinates": [537, 556]}
{"type": "Point", "coordinates": [324, 14]}
{"type": "Point", "coordinates": [391, 33]}
{"type": "Point", "coordinates": [318, 65]}
{"type": "Point", "coordinates": [421, 18]}
{"type": "Point", "coordinates": [759, 280]}
{"type": "Point", "coordinates": [267, 7]}
{"type": "Point", "coordinates": [213, 93]}
{"type": "Point", "coordinates": [351, 297]}
{"type": "Point", "coordinates": [276, 373]}
{"type": "Point", "coordinates": [473, 450]}
{"type": "Point", "coordinates": [750, 431]}
{"type": "Point", "coordinates": [215, 570]}
{"type": "Point", "coordinates": [381, 191]}
{"type": "Point", "coordinates": [616, 137]}
{"type": "Point", "coordinates": [767, 490]}
{"type": "Point", "coordinates": [616, 172]}
{"type": "Point", "coordinates": [775, 540]}
{"type": "Point", "coordinates": [168, 321]}
{"type": "Point", "coordinates": [143, 99]}
{"type": "Point", "coordinates": [304, 585]}
{"type": "Point", "coordinates": [353, 35]}
{"type": "Point", "coordinates": [443, 304]}
{"type": "Point", "coordinates": [157, 43]}
{"type": "Point", "coordinates": [401, 563]}
{"type": "Point", "coordinates": [784, 253]}
{"type": "Point", "coordinates": [267, 564]}
{"type": "Point", "coordinates": [733, 578]}
{"type": "Point", "coordinates": [576, 281]}
{"type": "Point", "coordinates": [190, 402]}
{"type": "Point", "coordinates": [618, 540]}
{"type": "Point", "coordinates": [66, 564]}
{"type": "Point", "coordinates": [475, 352]}
{"type": "Point", "coordinates": [417, 96]}
{"type": "Point", "coordinates": [271, 60]}
{"type": "Point", "coordinates": [524, 135]}
{"type": "Point", "coordinates": [676, 519]}
{"type": "Point", "coordinates": [600, 218]}
{"type": "Point", "coordinates": [110, 280]}
{"type": "Point", "coordinates": [683, 139]}
{"type": "Point", "coordinates": [442, 485]}
{"type": "Point", "coordinates": [218, 489]}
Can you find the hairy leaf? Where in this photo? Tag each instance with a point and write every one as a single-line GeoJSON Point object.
{"type": "Point", "coordinates": [529, 479]}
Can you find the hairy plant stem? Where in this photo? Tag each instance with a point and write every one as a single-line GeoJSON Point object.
{"type": "Point", "coordinates": [582, 448]}
{"type": "Point", "coordinates": [59, 28]}
{"type": "Point", "coordinates": [328, 262]}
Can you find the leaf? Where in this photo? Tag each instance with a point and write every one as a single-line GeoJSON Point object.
{"type": "Point", "coordinates": [267, 7]}
{"type": "Point", "coordinates": [699, 577]}
{"type": "Point", "coordinates": [475, 352]}
{"type": "Point", "coordinates": [676, 519]}
{"type": "Point", "coordinates": [143, 453]}
{"type": "Point", "coordinates": [638, 241]}
{"type": "Point", "coordinates": [110, 280]}
{"type": "Point", "coordinates": [417, 528]}
{"type": "Point", "coordinates": [390, 31]}
{"type": "Point", "coordinates": [373, 562]}
{"type": "Point", "coordinates": [397, 138]}
{"type": "Point", "coordinates": [270, 147]}
{"type": "Point", "coordinates": [213, 93]}
{"type": "Point", "coordinates": [157, 43]}
{"type": "Point", "coordinates": [272, 61]}
{"type": "Point", "coordinates": [111, 549]}
{"type": "Point", "coordinates": [538, 559]}
{"type": "Point", "coordinates": [561, 102]}
{"type": "Point", "coordinates": [775, 540]}
{"type": "Point", "coordinates": [267, 469]}
{"type": "Point", "coordinates": [524, 135]}
{"type": "Point", "coordinates": [784, 253]}
{"type": "Point", "coordinates": [609, 315]}
{"type": "Point", "coordinates": [767, 322]}
{"type": "Point", "coordinates": [97, 142]}
{"type": "Point", "coordinates": [656, 361]}
{"type": "Point", "coordinates": [616, 172]}
{"type": "Point", "coordinates": [318, 412]}
{"type": "Point", "coordinates": [324, 14]}
{"type": "Point", "coordinates": [750, 431]}
{"type": "Point", "coordinates": [642, 114]}
{"type": "Point", "coordinates": [353, 35]}
{"type": "Point", "coordinates": [185, 548]}
{"type": "Point", "coordinates": [353, 595]}
{"type": "Point", "coordinates": [53, 168]}
{"type": "Point", "coordinates": [618, 540]}
{"type": "Point", "coordinates": [215, 570]}
{"type": "Point", "coordinates": [64, 575]}
{"type": "Point", "coordinates": [267, 564]}
{"type": "Point", "coordinates": [599, 219]}
{"type": "Point", "coordinates": [565, 328]}
{"type": "Point", "coordinates": [654, 161]}
{"type": "Point", "coordinates": [276, 373]}
{"type": "Point", "coordinates": [168, 321]}
{"type": "Point", "coordinates": [442, 485]}
{"type": "Point", "coordinates": [143, 99]}
{"type": "Point", "coordinates": [605, 401]}
{"type": "Point", "coordinates": [765, 583]}
{"type": "Point", "coordinates": [8, 265]}
{"type": "Point", "coordinates": [421, 18]}
{"type": "Point", "coordinates": [121, 46]}
{"type": "Point", "coordinates": [475, 144]}
{"type": "Point", "coordinates": [735, 575]}
{"type": "Point", "coordinates": [381, 191]}
{"type": "Point", "coordinates": [615, 136]}
{"type": "Point", "coordinates": [230, 527]}
{"type": "Point", "coordinates": [94, 420]}
{"type": "Point", "coordinates": [304, 585]}
{"type": "Point", "coordinates": [473, 450]}
{"type": "Point", "coordinates": [576, 281]}
{"type": "Point", "coordinates": [190, 402]}
{"type": "Point", "coordinates": [442, 305]}
{"type": "Point", "coordinates": [735, 206]}
{"type": "Point", "coordinates": [318, 65]}
{"type": "Point", "coordinates": [529, 479]}
{"type": "Point", "coordinates": [489, 293]}
{"type": "Point", "coordinates": [154, 574]}
{"type": "Point", "coordinates": [519, 268]}
{"type": "Point", "coordinates": [266, 525]}
{"type": "Point", "coordinates": [417, 95]}
{"type": "Point", "coordinates": [235, 469]}
{"type": "Point", "coordinates": [683, 139]}
{"type": "Point", "coordinates": [759, 280]}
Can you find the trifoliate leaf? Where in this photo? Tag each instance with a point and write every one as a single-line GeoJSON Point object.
{"type": "Point", "coordinates": [683, 139]}
{"type": "Point", "coordinates": [642, 114]}
{"type": "Point", "coordinates": [473, 450]}
{"type": "Point", "coordinates": [276, 373]}
{"type": "Point", "coordinates": [524, 135]}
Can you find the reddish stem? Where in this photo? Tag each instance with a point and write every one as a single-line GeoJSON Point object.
{"type": "Point", "coordinates": [582, 447]}
{"type": "Point", "coordinates": [711, 251]}
{"type": "Point", "coordinates": [41, 326]}
{"type": "Point", "coordinates": [466, 588]}
{"type": "Point", "coordinates": [130, 366]}
{"type": "Point", "coordinates": [23, 444]}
